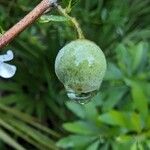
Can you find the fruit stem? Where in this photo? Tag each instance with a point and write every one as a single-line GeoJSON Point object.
{"type": "Point", "coordinates": [72, 20]}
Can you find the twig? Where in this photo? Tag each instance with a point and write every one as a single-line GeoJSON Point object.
{"type": "Point", "coordinates": [25, 22]}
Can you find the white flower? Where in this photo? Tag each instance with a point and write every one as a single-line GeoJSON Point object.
{"type": "Point", "coordinates": [7, 70]}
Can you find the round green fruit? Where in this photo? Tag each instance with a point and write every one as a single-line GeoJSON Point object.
{"type": "Point", "coordinates": [81, 66]}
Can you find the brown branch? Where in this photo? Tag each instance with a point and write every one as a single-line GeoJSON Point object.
{"type": "Point", "coordinates": [25, 22]}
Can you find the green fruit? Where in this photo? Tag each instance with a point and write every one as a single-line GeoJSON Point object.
{"type": "Point", "coordinates": [81, 66]}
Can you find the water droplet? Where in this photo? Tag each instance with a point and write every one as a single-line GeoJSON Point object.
{"type": "Point", "coordinates": [81, 98]}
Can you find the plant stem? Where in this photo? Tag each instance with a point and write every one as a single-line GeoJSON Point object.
{"type": "Point", "coordinates": [25, 22]}
{"type": "Point", "coordinates": [72, 20]}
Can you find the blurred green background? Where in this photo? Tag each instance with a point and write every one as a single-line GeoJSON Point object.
{"type": "Point", "coordinates": [35, 113]}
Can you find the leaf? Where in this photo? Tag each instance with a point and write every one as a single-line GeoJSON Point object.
{"type": "Point", "coordinates": [28, 119]}
{"type": "Point", "coordinates": [134, 146]}
{"type": "Point", "coordinates": [113, 72]}
{"type": "Point", "coordinates": [124, 58]}
{"type": "Point", "coordinates": [19, 133]}
{"type": "Point", "coordinates": [9, 86]}
{"type": "Point", "coordinates": [73, 2]}
{"type": "Point", "coordinates": [50, 18]}
{"type": "Point", "coordinates": [105, 146]}
{"type": "Point", "coordinates": [148, 122]}
{"type": "Point", "coordinates": [114, 118]}
{"type": "Point", "coordinates": [1, 31]}
{"type": "Point", "coordinates": [148, 143]}
{"type": "Point", "coordinates": [81, 127]}
{"type": "Point", "coordinates": [104, 14]}
{"type": "Point", "coordinates": [138, 34]}
{"type": "Point", "coordinates": [113, 97]}
{"type": "Point", "coordinates": [124, 139]}
{"type": "Point", "coordinates": [7, 139]}
{"type": "Point", "coordinates": [94, 146]}
{"type": "Point", "coordinates": [70, 3]}
{"type": "Point", "coordinates": [141, 147]}
{"type": "Point", "coordinates": [121, 146]}
{"type": "Point", "coordinates": [91, 112]}
{"type": "Point", "coordinates": [128, 120]}
{"type": "Point", "coordinates": [33, 134]}
{"type": "Point", "coordinates": [140, 55]}
{"type": "Point", "coordinates": [136, 122]}
{"type": "Point", "coordinates": [140, 99]}
{"type": "Point", "coordinates": [74, 141]}
{"type": "Point", "coordinates": [77, 109]}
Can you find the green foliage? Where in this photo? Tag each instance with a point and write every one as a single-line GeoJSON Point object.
{"type": "Point", "coordinates": [120, 116]}
{"type": "Point", "coordinates": [25, 127]}
{"type": "Point", "coordinates": [33, 104]}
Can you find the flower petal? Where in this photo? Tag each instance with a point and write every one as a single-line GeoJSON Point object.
{"type": "Point", "coordinates": [7, 57]}
{"type": "Point", "coordinates": [7, 71]}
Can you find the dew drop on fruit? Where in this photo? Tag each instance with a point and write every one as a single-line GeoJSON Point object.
{"type": "Point", "coordinates": [81, 98]}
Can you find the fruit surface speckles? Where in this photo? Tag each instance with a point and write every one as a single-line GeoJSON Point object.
{"type": "Point", "coordinates": [80, 66]}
